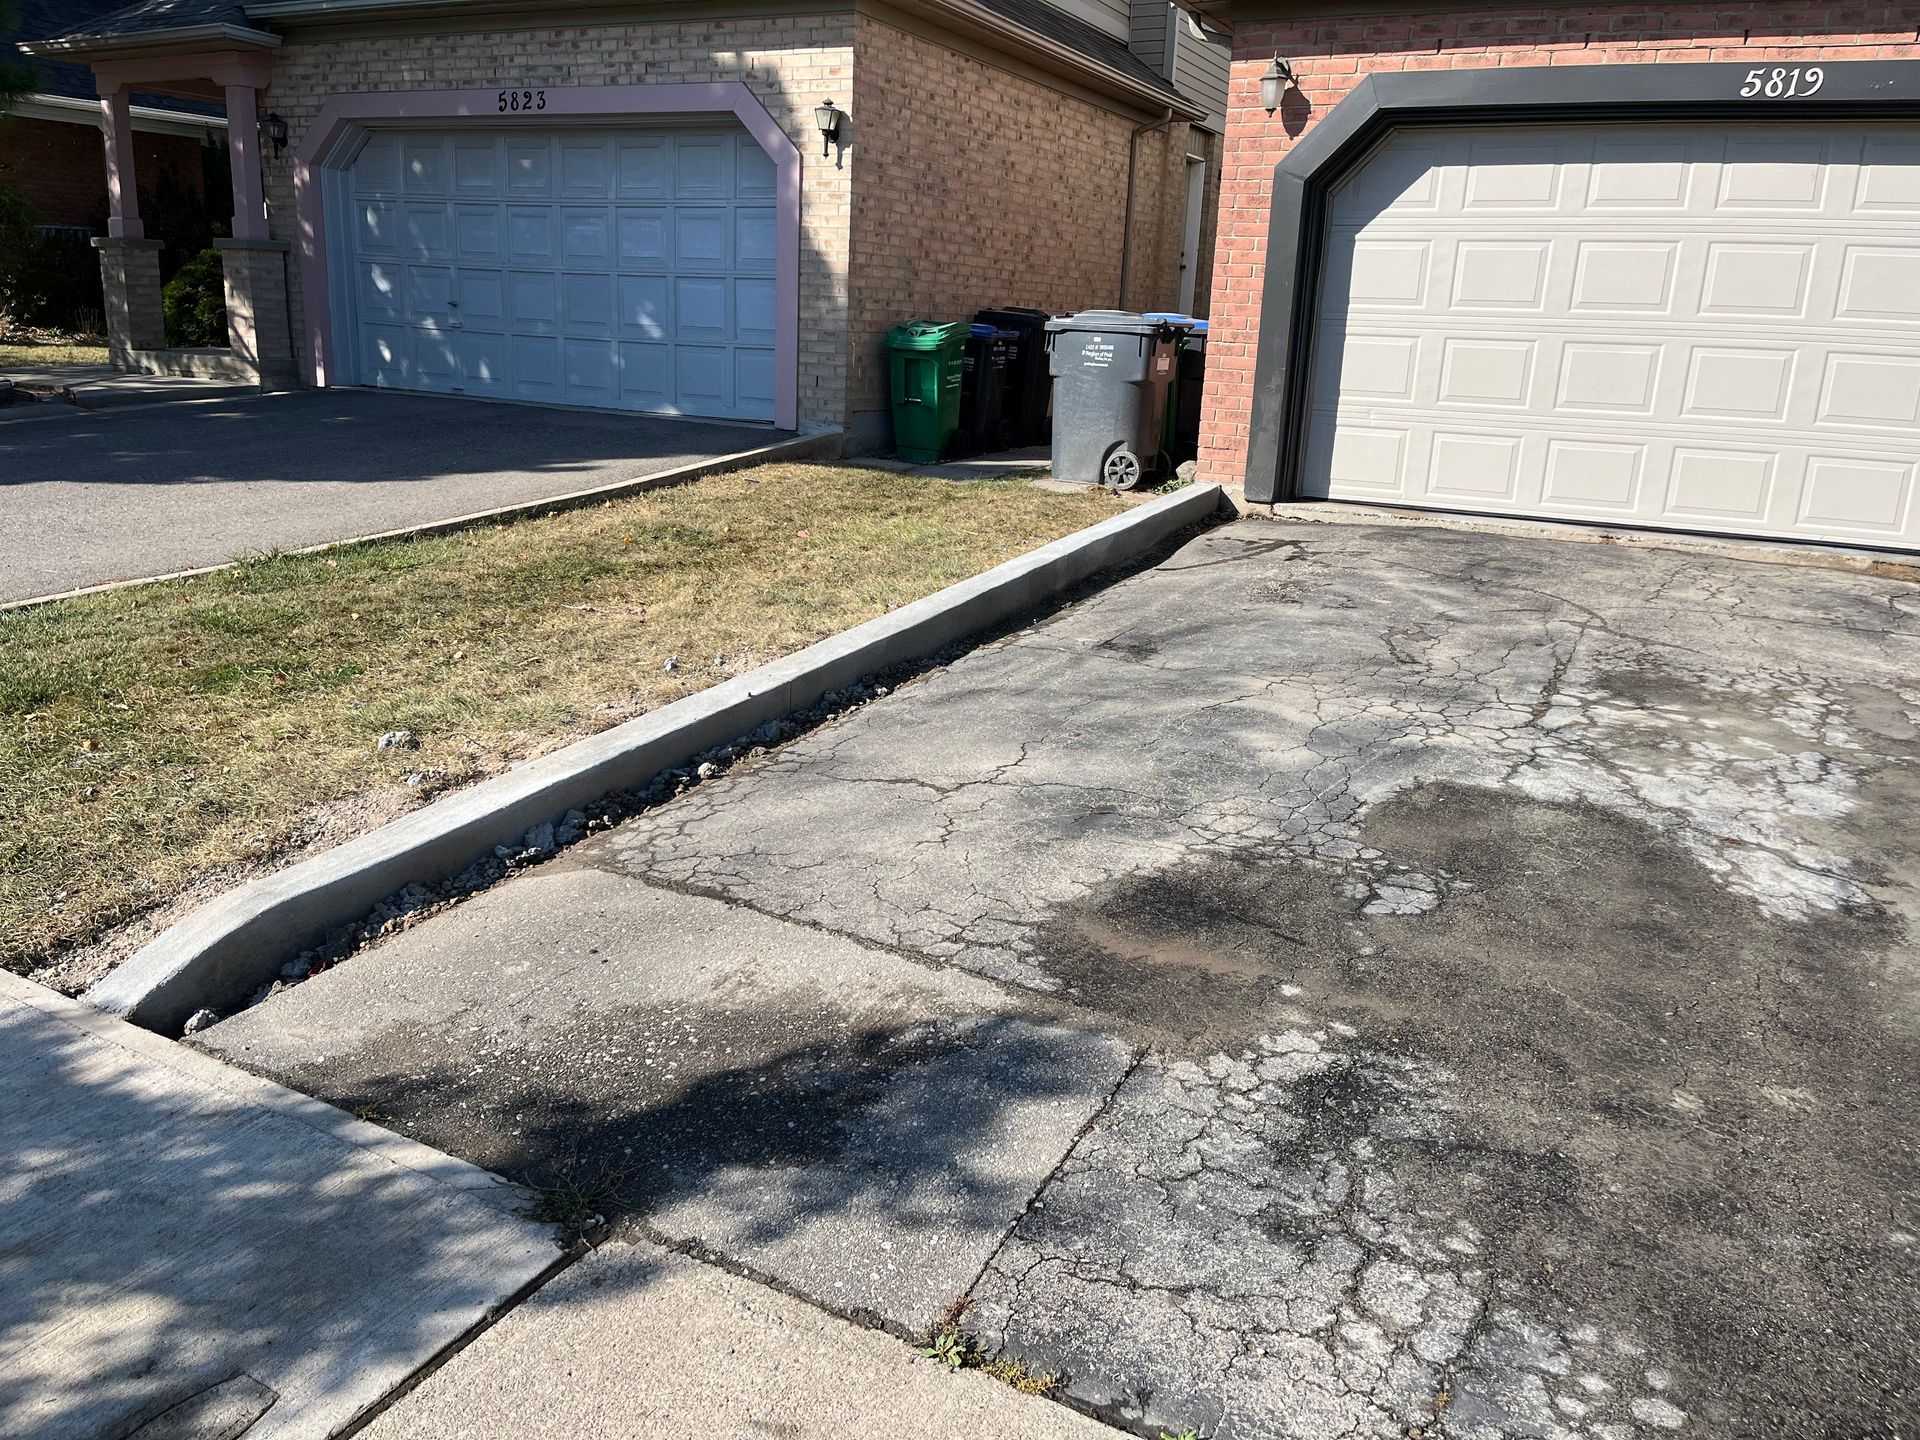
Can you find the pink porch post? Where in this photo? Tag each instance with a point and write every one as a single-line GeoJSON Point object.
{"type": "Point", "coordinates": [123, 190]}
{"type": "Point", "coordinates": [243, 150]}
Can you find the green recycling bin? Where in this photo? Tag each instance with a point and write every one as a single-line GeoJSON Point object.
{"type": "Point", "coordinates": [926, 359]}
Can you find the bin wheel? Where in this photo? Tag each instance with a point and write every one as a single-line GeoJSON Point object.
{"type": "Point", "coordinates": [1122, 470]}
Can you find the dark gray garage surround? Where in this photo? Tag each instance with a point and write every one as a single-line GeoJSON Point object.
{"type": "Point", "coordinates": [1484, 349]}
{"type": "Point", "coordinates": [1348, 981]}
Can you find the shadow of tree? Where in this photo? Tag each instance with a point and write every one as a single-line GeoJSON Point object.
{"type": "Point", "coordinates": [873, 1169]}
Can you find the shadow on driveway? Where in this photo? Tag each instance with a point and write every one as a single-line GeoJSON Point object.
{"type": "Point", "coordinates": [99, 497]}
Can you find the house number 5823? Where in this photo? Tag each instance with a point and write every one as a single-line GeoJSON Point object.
{"type": "Point", "coordinates": [516, 100]}
{"type": "Point", "coordinates": [1783, 82]}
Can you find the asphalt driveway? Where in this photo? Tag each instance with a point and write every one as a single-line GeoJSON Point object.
{"type": "Point", "coordinates": [91, 497]}
{"type": "Point", "coordinates": [1348, 980]}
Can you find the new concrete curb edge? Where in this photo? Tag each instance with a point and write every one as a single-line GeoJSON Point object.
{"type": "Point", "coordinates": [231, 946]}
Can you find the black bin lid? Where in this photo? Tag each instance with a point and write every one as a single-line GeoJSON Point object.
{"type": "Point", "coordinates": [1108, 322]}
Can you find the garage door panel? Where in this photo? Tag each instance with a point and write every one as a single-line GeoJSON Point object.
{"type": "Point", "coordinates": [586, 304]}
{"type": "Point", "coordinates": [1500, 275]}
{"type": "Point", "coordinates": [645, 310]}
{"type": "Point", "coordinates": [1751, 280]}
{"type": "Point", "coordinates": [646, 376]}
{"type": "Point", "coordinates": [482, 297]}
{"type": "Point", "coordinates": [1871, 391]}
{"type": "Point", "coordinates": [532, 235]}
{"type": "Point", "coordinates": [700, 308]}
{"type": "Point", "coordinates": [376, 227]}
{"type": "Point", "coordinates": [386, 355]}
{"type": "Point", "coordinates": [701, 240]}
{"type": "Point", "coordinates": [1707, 328]}
{"type": "Point", "coordinates": [477, 166]}
{"type": "Point", "coordinates": [755, 310]}
{"type": "Point", "coordinates": [1889, 179]}
{"type": "Point", "coordinates": [423, 165]}
{"type": "Point", "coordinates": [378, 289]}
{"type": "Point", "coordinates": [1862, 497]}
{"type": "Point", "coordinates": [1581, 477]}
{"type": "Point", "coordinates": [703, 167]}
{"type": "Point", "coordinates": [536, 367]}
{"type": "Point", "coordinates": [587, 167]}
{"type": "Point", "coordinates": [533, 302]}
{"type": "Point", "coordinates": [702, 378]}
{"type": "Point", "coordinates": [429, 293]}
{"type": "Point", "coordinates": [478, 233]}
{"type": "Point", "coordinates": [529, 169]}
{"type": "Point", "coordinates": [1880, 285]}
{"type": "Point", "coordinates": [484, 362]}
{"type": "Point", "coordinates": [641, 236]}
{"type": "Point", "coordinates": [643, 167]}
{"type": "Point", "coordinates": [753, 374]}
{"type": "Point", "coordinates": [631, 270]}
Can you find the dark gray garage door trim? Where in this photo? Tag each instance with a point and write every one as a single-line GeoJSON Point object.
{"type": "Point", "coordinates": [1296, 234]}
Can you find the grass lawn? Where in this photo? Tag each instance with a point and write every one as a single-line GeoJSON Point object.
{"type": "Point", "coordinates": [168, 735]}
{"type": "Point", "coordinates": [23, 356]}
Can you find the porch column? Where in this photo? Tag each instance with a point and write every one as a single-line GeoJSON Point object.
{"type": "Point", "coordinates": [123, 191]}
{"type": "Point", "coordinates": [130, 284]}
{"type": "Point", "coordinates": [259, 332]}
{"type": "Point", "coordinates": [243, 153]}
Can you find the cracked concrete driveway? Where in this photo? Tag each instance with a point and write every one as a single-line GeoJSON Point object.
{"type": "Point", "coordinates": [1426, 983]}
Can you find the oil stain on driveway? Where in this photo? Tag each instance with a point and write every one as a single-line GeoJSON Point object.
{"type": "Point", "coordinates": [1512, 939]}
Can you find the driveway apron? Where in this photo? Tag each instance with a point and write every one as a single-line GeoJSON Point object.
{"type": "Point", "coordinates": [1466, 982]}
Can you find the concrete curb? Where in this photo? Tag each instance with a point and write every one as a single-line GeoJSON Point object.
{"type": "Point", "coordinates": [238, 942]}
{"type": "Point", "coordinates": [823, 446]}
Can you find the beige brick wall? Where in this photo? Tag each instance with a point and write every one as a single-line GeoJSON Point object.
{"type": "Point", "coordinates": [974, 186]}
{"type": "Point", "coordinates": [790, 62]}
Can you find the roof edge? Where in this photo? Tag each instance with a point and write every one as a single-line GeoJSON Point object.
{"type": "Point", "coordinates": [160, 40]}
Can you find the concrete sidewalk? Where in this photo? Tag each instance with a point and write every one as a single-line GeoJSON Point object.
{"type": "Point", "coordinates": [636, 1341]}
{"type": "Point", "coordinates": [180, 1239]}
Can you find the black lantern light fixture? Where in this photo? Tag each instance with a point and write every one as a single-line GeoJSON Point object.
{"type": "Point", "coordinates": [828, 117]}
{"type": "Point", "coordinates": [274, 127]}
{"type": "Point", "coordinates": [1273, 84]}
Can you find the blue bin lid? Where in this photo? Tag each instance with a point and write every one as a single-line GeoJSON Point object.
{"type": "Point", "coordinates": [1172, 318]}
{"type": "Point", "coordinates": [982, 332]}
{"type": "Point", "coordinates": [1201, 326]}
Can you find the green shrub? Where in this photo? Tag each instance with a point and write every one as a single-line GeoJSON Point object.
{"type": "Point", "coordinates": [49, 279]}
{"type": "Point", "coordinates": [195, 303]}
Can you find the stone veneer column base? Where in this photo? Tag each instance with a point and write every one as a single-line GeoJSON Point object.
{"type": "Point", "coordinates": [259, 326]}
{"type": "Point", "coordinates": [130, 280]}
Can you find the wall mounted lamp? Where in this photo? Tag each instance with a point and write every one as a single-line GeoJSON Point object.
{"type": "Point", "coordinates": [274, 127]}
{"type": "Point", "coordinates": [828, 117]}
{"type": "Point", "coordinates": [1273, 84]}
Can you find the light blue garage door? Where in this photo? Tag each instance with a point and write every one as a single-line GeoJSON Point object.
{"type": "Point", "coordinates": [624, 269]}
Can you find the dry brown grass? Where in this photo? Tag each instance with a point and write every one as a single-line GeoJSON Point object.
{"type": "Point", "coordinates": [152, 737]}
{"type": "Point", "coordinates": [28, 356]}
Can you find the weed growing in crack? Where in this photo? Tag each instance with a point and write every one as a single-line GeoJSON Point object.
{"type": "Point", "coordinates": [575, 1200]}
{"type": "Point", "coordinates": [951, 1346]}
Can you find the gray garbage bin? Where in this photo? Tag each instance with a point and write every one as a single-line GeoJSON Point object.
{"type": "Point", "coordinates": [1111, 369]}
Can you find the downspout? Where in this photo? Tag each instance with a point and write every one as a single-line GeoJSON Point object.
{"type": "Point", "coordinates": [1126, 219]}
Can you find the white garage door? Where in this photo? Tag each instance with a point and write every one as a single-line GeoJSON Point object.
{"type": "Point", "coordinates": [1688, 327]}
{"type": "Point", "coordinates": [626, 269]}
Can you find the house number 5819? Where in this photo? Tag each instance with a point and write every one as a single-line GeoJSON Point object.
{"type": "Point", "coordinates": [1783, 82]}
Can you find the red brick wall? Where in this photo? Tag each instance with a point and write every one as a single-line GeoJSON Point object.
{"type": "Point", "coordinates": [1331, 56]}
{"type": "Point", "coordinates": [62, 167]}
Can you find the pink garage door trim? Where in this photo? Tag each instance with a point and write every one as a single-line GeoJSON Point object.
{"type": "Point", "coordinates": [321, 150]}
